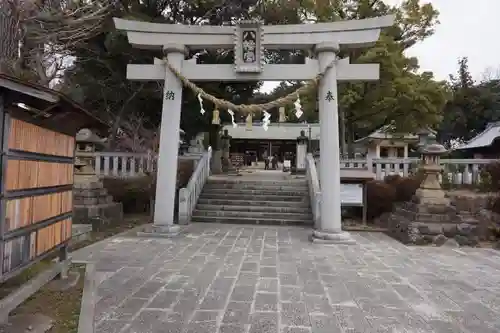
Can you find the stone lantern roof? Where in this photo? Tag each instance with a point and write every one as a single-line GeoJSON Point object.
{"type": "Point", "coordinates": [85, 135]}
{"type": "Point", "coordinates": [434, 149]}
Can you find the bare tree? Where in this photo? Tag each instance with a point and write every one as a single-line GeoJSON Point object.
{"type": "Point", "coordinates": [10, 27]}
{"type": "Point", "coordinates": [490, 74]}
{"type": "Point", "coordinates": [37, 34]}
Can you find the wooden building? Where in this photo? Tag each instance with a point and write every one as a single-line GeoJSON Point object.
{"type": "Point", "coordinates": [37, 130]}
{"type": "Point", "coordinates": [385, 143]}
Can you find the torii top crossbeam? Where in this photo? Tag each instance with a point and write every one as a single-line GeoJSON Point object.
{"type": "Point", "coordinates": [350, 34]}
{"type": "Point", "coordinates": [249, 39]}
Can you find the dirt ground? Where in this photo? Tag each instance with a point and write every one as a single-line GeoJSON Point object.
{"type": "Point", "coordinates": [129, 222]}
{"type": "Point", "coordinates": [62, 306]}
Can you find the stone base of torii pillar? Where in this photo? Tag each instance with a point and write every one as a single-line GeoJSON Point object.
{"type": "Point", "coordinates": [332, 237]}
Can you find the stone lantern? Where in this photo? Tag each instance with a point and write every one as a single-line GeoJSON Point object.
{"type": "Point", "coordinates": [91, 202]}
{"type": "Point", "coordinates": [430, 190]}
{"type": "Point", "coordinates": [87, 143]}
{"type": "Point", "coordinates": [425, 137]}
{"type": "Point", "coordinates": [302, 142]}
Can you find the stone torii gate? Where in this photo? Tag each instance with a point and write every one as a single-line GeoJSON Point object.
{"type": "Point", "coordinates": [249, 39]}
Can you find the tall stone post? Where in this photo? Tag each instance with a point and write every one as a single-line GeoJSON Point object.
{"type": "Point", "coordinates": [300, 158]}
{"type": "Point", "coordinates": [330, 227]}
{"type": "Point", "coordinates": [163, 218]}
{"type": "Point", "coordinates": [226, 145]}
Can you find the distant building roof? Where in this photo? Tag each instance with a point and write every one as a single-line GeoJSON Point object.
{"type": "Point", "coordinates": [386, 133]}
{"type": "Point", "coordinates": [483, 139]}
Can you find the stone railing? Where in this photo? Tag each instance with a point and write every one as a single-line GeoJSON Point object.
{"type": "Point", "coordinates": [125, 164]}
{"type": "Point", "coordinates": [314, 188]}
{"type": "Point", "coordinates": [188, 196]}
{"type": "Point", "coordinates": [459, 171]}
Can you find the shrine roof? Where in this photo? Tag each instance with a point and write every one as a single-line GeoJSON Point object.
{"type": "Point", "coordinates": [483, 139]}
{"type": "Point", "coordinates": [386, 133]}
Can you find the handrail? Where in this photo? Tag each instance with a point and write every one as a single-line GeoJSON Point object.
{"type": "Point", "coordinates": [314, 188]}
{"type": "Point", "coordinates": [188, 196]}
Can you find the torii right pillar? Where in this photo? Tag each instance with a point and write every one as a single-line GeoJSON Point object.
{"type": "Point", "coordinates": [330, 228]}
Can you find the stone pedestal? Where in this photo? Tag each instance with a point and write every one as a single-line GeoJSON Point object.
{"type": "Point", "coordinates": [430, 218]}
{"type": "Point", "coordinates": [93, 205]}
{"type": "Point", "coordinates": [300, 162]}
{"type": "Point", "coordinates": [225, 140]}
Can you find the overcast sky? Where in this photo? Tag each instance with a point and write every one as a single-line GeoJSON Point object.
{"type": "Point", "coordinates": [467, 28]}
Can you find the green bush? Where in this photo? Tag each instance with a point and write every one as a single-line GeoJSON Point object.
{"type": "Point", "coordinates": [136, 193]}
{"type": "Point", "coordinates": [380, 198]}
{"type": "Point", "coordinates": [392, 180]}
{"type": "Point", "coordinates": [491, 177]}
{"type": "Point", "coordinates": [405, 187]}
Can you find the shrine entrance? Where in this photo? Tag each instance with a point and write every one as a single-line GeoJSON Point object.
{"type": "Point", "coordinates": [249, 39]}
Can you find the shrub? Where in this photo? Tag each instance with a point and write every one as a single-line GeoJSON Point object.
{"type": "Point", "coordinates": [392, 180]}
{"type": "Point", "coordinates": [185, 169]}
{"type": "Point", "coordinates": [405, 187]}
{"type": "Point", "coordinates": [136, 193]}
{"type": "Point", "coordinates": [491, 174]}
{"type": "Point", "coordinates": [380, 198]}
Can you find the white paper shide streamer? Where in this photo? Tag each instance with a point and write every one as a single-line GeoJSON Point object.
{"type": "Point", "coordinates": [298, 108]}
{"type": "Point", "coordinates": [231, 113]}
{"type": "Point", "coordinates": [266, 120]}
{"type": "Point", "coordinates": [202, 110]}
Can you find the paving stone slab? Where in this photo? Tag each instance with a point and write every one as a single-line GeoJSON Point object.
{"type": "Point", "coordinates": [248, 279]}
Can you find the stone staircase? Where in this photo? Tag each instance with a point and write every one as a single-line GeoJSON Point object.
{"type": "Point", "coordinates": [254, 201]}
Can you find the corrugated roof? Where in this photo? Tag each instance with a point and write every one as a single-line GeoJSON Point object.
{"type": "Point", "coordinates": [483, 139]}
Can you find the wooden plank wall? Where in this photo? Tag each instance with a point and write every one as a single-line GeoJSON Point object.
{"type": "Point", "coordinates": [37, 198]}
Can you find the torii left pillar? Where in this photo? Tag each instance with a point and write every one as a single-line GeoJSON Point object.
{"type": "Point", "coordinates": [166, 177]}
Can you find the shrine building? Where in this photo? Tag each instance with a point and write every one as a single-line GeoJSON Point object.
{"type": "Point", "coordinates": [280, 138]}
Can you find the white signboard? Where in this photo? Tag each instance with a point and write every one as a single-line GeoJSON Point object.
{"type": "Point", "coordinates": [287, 163]}
{"type": "Point", "coordinates": [351, 194]}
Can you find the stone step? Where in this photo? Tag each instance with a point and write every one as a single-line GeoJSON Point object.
{"type": "Point", "coordinates": [255, 215]}
{"type": "Point", "coordinates": [469, 219]}
{"type": "Point", "coordinates": [242, 180]}
{"type": "Point", "coordinates": [109, 213]}
{"type": "Point", "coordinates": [262, 191]}
{"type": "Point", "coordinates": [245, 186]}
{"type": "Point", "coordinates": [90, 193]}
{"type": "Point", "coordinates": [243, 220]}
{"type": "Point", "coordinates": [77, 200]}
{"type": "Point", "coordinates": [253, 203]}
{"type": "Point", "coordinates": [254, 209]}
{"type": "Point", "coordinates": [252, 197]}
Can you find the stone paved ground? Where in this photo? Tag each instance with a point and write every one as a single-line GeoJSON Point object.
{"type": "Point", "coordinates": [234, 279]}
